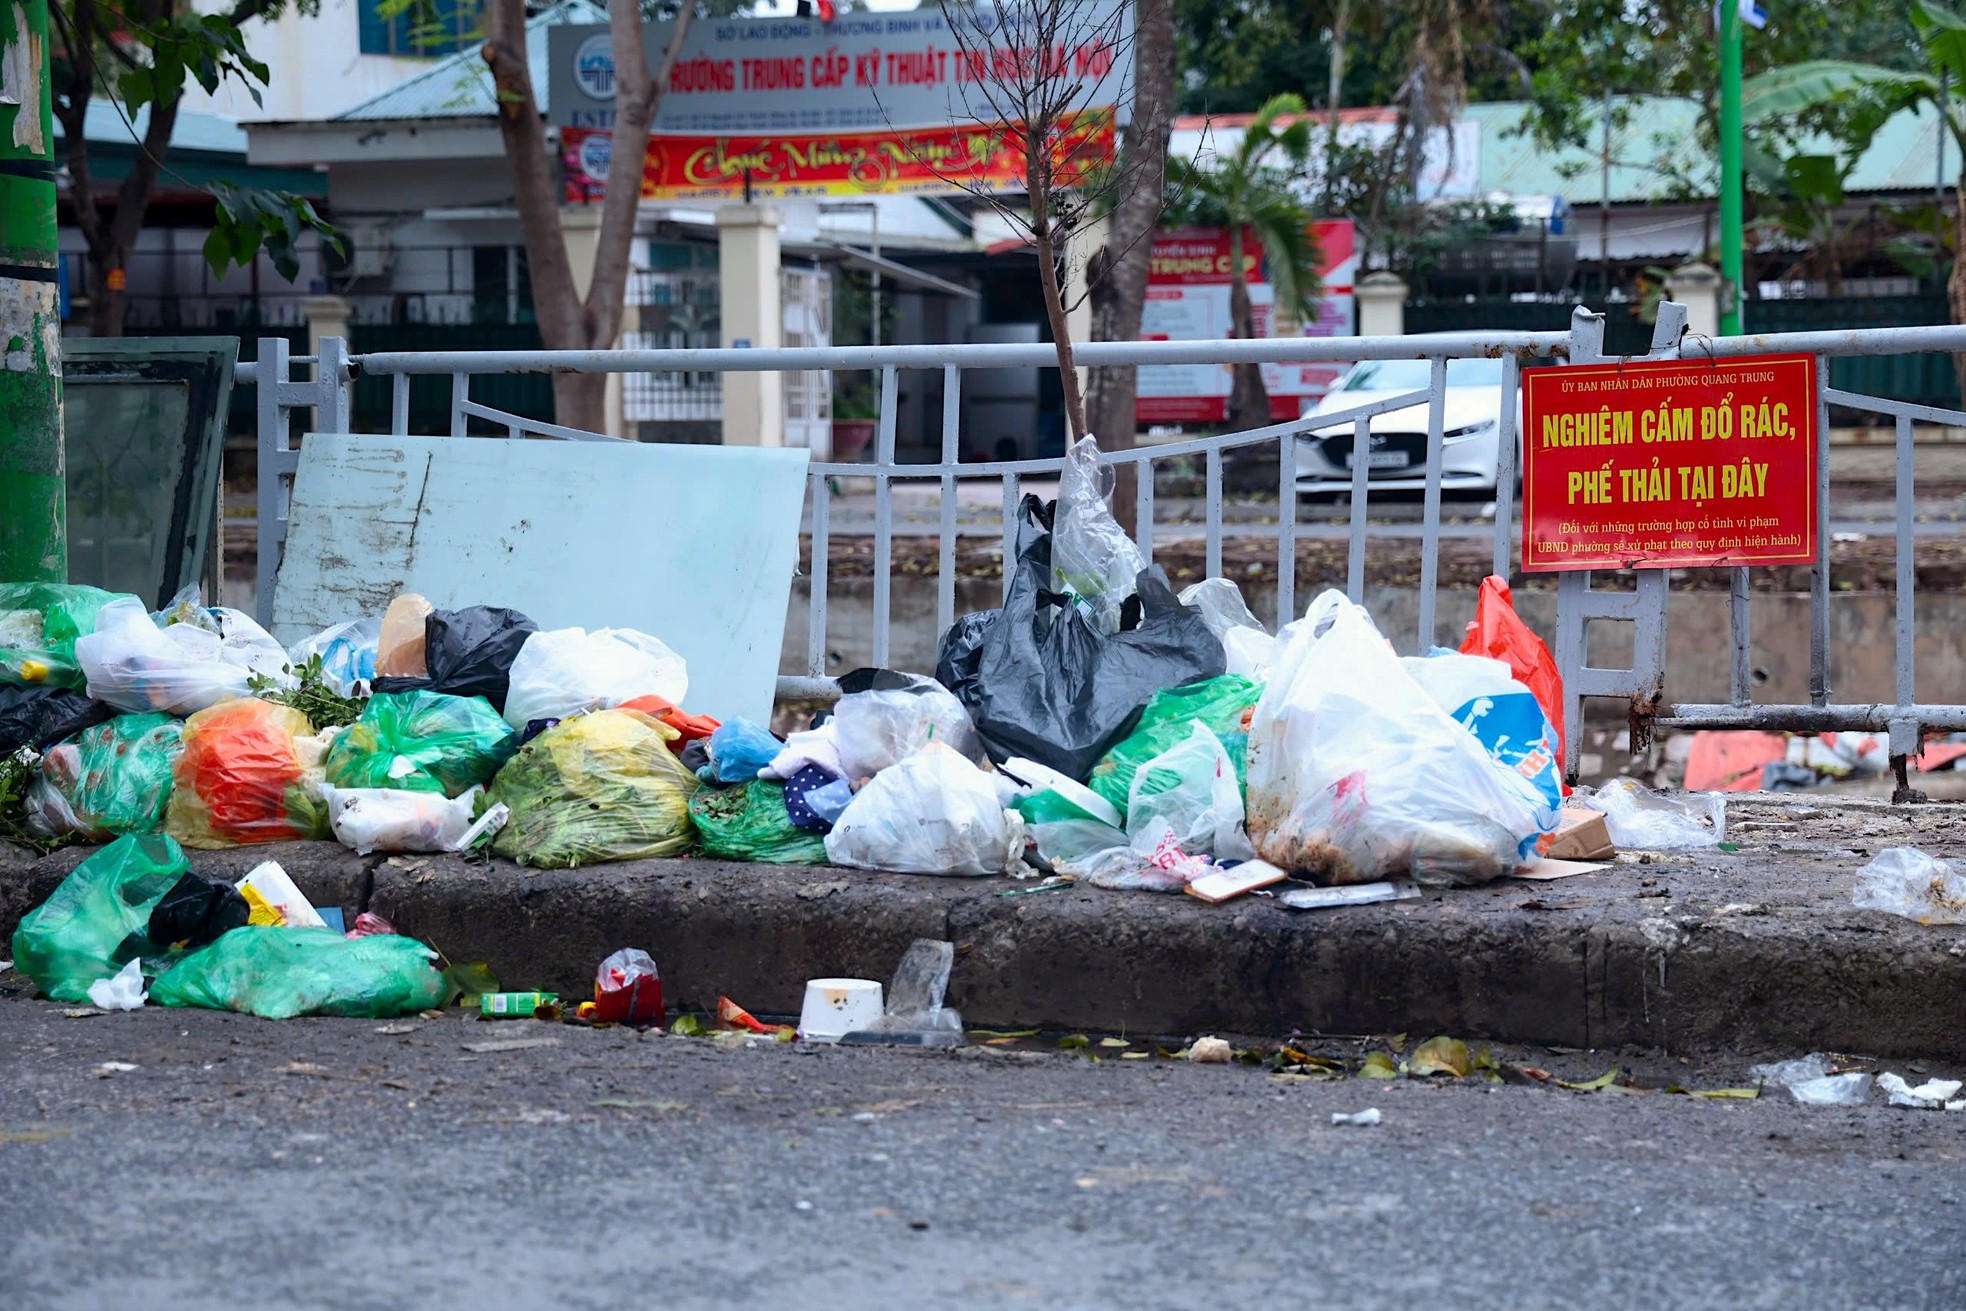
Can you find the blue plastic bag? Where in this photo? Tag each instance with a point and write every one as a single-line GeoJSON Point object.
{"type": "Point", "coordinates": [738, 750]}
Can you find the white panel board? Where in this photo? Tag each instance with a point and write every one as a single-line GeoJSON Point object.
{"type": "Point", "coordinates": [695, 544]}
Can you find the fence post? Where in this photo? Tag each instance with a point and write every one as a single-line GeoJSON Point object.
{"type": "Point", "coordinates": [1381, 305]}
{"type": "Point", "coordinates": [327, 319]}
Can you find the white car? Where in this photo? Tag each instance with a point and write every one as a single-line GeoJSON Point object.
{"type": "Point", "coordinates": [1398, 455]}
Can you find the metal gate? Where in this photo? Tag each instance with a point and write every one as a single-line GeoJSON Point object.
{"type": "Point", "coordinates": [1580, 604]}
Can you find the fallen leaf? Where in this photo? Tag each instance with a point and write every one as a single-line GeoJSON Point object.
{"type": "Point", "coordinates": [1598, 1084]}
{"type": "Point", "coordinates": [1002, 1035]}
{"type": "Point", "coordinates": [1136, 1056]}
{"type": "Point", "coordinates": [1074, 1042]}
{"type": "Point", "coordinates": [510, 1045]}
{"type": "Point", "coordinates": [1378, 1065]}
{"type": "Point", "coordinates": [688, 1026]}
{"type": "Point", "coordinates": [468, 980]}
{"type": "Point", "coordinates": [1439, 1056]}
{"type": "Point", "coordinates": [82, 1013]}
{"type": "Point", "coordinates": [1114, 1042]}
{"type": "Point", "coordinates": [1287, 1077]}
{"type": "Point", "coordinates": [1537, 1073]}
{"type": "Point", "coordinates": [1719, 1094]}
{"type": "Point", "coordinates": [397, 1030]}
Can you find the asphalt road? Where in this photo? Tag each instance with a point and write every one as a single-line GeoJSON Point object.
{"type": "Point", "coordinates": [349, 1164]}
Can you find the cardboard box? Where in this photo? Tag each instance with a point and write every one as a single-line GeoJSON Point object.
{"type": "Point", "coordinates": [1580, 835]}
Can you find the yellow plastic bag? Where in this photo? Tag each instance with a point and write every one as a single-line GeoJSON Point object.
{"type": "Point", "coordinates": [598, 787]}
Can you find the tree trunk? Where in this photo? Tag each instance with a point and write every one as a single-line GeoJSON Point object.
{"type": "Point", "coordinates": [105, 304]}
{"type": "Point", "coordinates": [580, 400]}
{"type": "Point", "coordinates": [1118, 272]}
{"type": "Point", "coordinates": [1061, 330]}
{"type": "Point", "coordinates": [1335, 94]}
{"type": "Point", "coordinates": [1249, 402]}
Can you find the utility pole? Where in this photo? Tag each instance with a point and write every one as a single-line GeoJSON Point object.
{"type": "Point", "coordinates": [33, 493]}
{"type": "Point", "coordinates": [1730, 168]}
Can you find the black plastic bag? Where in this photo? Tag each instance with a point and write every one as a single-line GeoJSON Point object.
{"type": "Point", "coordinates": [196, 911]}
{"type": "Point", "coordinates": [468, 652]}
{"type": "Point", "coordinates": [39, 717]}
{"type": "Point", "coordinates": [1042, 682]}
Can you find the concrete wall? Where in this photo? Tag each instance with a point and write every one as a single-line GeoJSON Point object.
{"type": "Point", "coordinates": [1698, 650]}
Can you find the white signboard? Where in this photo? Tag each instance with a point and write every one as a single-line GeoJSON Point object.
{"type": "Point", "coordinates": [694, 544]}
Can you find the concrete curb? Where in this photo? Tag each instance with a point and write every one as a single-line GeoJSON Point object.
{"type": "Point", "coordinates": [1733, 950]}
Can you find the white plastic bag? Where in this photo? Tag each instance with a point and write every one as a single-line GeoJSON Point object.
{"type": "Point", "coordinates": [563, 671]}
{"type": "Point", "coordinates": [347, 651]}
{"type": "Point", "coordinates": [1221, 605]}
{"type": "Point", "coordinates": [1907, 882]}
{"type": "Point", "coordinates": [134, 665]}
{"type": "Point", "coordinates": [391, 819]}
{"type": "Point", "coordinates": [1483, 696]}
{"type": "Point", "coordinates": [933, 813]}
{"type": "Point", "coordinates": [1093, 561]}
{"type": "Point", "coordinates": [809, 746]}
{"type": "Point", "coordinates": [876, 729]}
{"type": "Point", "coordinates": [1191, 788]}
{"type": "Point", "coordinates": [1638, 818]}
{"type": "Point", "coordinates": [121, 992]}
{"type": "Point", "coordinates": [1357, 775]}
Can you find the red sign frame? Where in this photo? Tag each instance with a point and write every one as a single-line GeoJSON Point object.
{"type": "Point", "coordinates": [1670, 464]}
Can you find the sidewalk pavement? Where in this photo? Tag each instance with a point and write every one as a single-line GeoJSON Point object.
{"type": "Point", "coordinates": [1754, 949]}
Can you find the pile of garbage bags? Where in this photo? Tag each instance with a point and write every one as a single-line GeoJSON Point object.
{"type": "Point", "coordinates": [1097, 726]}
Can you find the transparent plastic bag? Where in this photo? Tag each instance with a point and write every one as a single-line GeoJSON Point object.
{"type": "Point", "coordinates": [1221, 605]}
{"type": "Point", "coordinates": [182, 669]}
{"type": "Point", "coordinates": [1640, 819]}
{"type": "Point", "coordinates": [111, 779]}
{"type": "Point", "coordinates": [886, 724]}
{"type": "Point", "coordinates": [348, 654]}
{"type": "Point", "coordinates": [39, 626]}
{"type": "Point", "coordinates": [563, 671]}
{"type": "Point", "coordinates": [1093, 561]}
{"type": "Point", "coordinates": [247, 774]}
{"type": "Point", "coordinates": [1907, 882]}
{"type": "Point", "coordinates": [1357, 775]}
{"type": "Point", "coordinates": [389, 819]}
{"type": "Point", "coordinates": [1223, 705]}
{"type": "Point", "coordinates": [1191, 789]}
{"type": "Point", "coordinates": [597, 787]}
{"type": "Point", "coordinates": [933, 813]}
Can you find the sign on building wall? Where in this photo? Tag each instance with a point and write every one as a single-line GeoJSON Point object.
{"type": "Point", "coordinates": [868, 104]}
{"type": "Point", "coordinates": [1670, 464]}
{"type": "Point", "coordinates": [1188, 300]}
{"type": "Point", "coordinates": [778, 167]}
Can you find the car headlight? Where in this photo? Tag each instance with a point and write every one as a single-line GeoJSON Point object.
{"type": "Point", "coordinates": [1471, 431]}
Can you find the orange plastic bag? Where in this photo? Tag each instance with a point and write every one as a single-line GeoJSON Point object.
{"type": "Point", "coordinates": [1499, 633]}
{"type": "Point", "coordinates": [245, 777]}
{"type": "Point", "coordinates": [668, 712]}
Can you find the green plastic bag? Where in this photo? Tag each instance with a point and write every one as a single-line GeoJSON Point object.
{"type": "Point", "coordinates": [278, 973]}
{"type": "Point", "coordinates": [603, 786]}
{"type": "Point", "coordinates": [39, 623]}
{"type": "Point", "coordinates": [1223, 704]}
{"type": "Point", "coordinates": [111, 779]}
{"type": "Point", "coordinates": [422, 742]}
{"type": "Point", "coordinates": [97, 921]}
{"type": "Point", "coordinates": [749, 823]}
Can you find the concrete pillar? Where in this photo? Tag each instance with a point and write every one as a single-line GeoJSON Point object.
{"type": "Point", "coordinates": [581, 226]}
{"type": "Point", "coordinates": [1381, 305]}
{"type": "Point", "coordinates": [1697, 287]}
{"type": "Point", "coordinates": [753, 314]}
{"type": "Point", "coordinates": [327, 316]}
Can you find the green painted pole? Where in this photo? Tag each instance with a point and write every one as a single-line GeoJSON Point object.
{"type": "Point", "coordinates": [1730, 168]}
{"type": "Point", "coordinates": [33, 494]}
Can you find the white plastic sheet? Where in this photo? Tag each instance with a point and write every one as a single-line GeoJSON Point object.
{"type": "Point", "coordinates": [134, 665]}
{"type": "Point", "coordinates": [564, 671]}
{"type": "Point", "coordinates": [933, 813]}
{"type": "Point", "coordinates": [393, 819]}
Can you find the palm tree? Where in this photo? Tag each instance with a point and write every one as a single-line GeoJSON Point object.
{"type": "Point", "coordinates": [1250, 189]}
{"type": "Point", "coordinates": [1867, 96]}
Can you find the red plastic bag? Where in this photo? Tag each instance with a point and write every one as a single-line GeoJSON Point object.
{"type": "Point", "coordinates": [242, 777]}
{"type": "Point", "coordinates": [627, 990]}
{"type": "Point", "coordinates": [1499, 633]}
{"type": "Point", "coordinates": [667, 712]}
